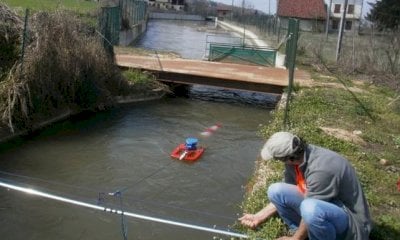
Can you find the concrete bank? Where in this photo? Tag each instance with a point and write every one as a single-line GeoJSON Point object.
{"type": "Point", "coordinates": [175, 16]}
{"type": "Point", "coordinates": [128, 37]}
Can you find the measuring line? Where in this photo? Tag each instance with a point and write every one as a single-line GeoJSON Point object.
{"type": "Point", "coordinates": [117, 211]}
{"type": "Point", "coordinates": [126, 196]}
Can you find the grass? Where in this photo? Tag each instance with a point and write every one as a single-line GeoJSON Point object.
{"type": "Point", "coordinates": [86, 10]}
{"type": "Point", "coordinates": [80, 6]}
{"type": "Point", "coordinates": [373, 110]}
{"type": "Point", "coordinates": [143, 83]}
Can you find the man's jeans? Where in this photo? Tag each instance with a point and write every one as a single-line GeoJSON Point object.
{"type": "Point", "coordinates": [324, 220]}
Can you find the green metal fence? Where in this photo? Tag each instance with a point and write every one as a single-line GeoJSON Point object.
{"type": "Point", "coordinates": [124, 16]}
{"type": "Point", "coordinates": [133, 11]}
{"type": "Point", "coordinates": [242, 54]}
{"type": "Point", "coordinates": [110, 26]}
{"type": "Point", "coordinates": [239, 50]}
{"type": "Point", "coordinates": [263, 23]}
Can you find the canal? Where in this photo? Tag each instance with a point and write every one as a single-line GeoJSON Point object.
{"type": "Point", "coordinates": [127, 149]}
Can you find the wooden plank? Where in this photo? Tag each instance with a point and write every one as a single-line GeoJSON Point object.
{"type": "Point", "coordinates": [228, 75]}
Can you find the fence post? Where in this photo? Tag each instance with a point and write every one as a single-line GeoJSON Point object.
{"type": "Point", "coordinates": [24, 35]}
{"type": "Point", "coordinates": [291, 49]}
{"type": "Point", "coordinates": [110, 26]}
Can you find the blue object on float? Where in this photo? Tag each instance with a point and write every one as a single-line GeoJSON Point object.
{"type": "Point", "coordinates": [191, 143]}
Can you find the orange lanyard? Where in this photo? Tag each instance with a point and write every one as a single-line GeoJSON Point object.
{"type": "Point", "coordinates": [300, 181]}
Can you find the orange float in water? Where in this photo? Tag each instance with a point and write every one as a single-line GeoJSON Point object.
{"type": "Point", "coordinates": [188, 151]}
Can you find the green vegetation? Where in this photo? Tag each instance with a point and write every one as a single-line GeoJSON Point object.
{"type": "Point", "coordinates": [385, 14]}
{"type": "Point", "coordinates": [10, 39]}
{"type": "Point", "coordinates": [138, 77]}
{"type": "Point", "coordinates": [366, 129]}
{"type": "Point", "coordinates": [81, 6]}
{"type": "Point", "coordinates": [86, 10]}
{"type": "Point", "coordinates": [65, 67]}
{"type": "Point", "coordinates": [143, 83]}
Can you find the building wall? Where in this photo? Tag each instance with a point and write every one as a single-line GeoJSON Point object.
{"type": "Point", "coordinates": [305, 25]}
{"type": "Point", "coordinates": [356, 13]}
{"type": "Point", "coordinates": [352, 19]}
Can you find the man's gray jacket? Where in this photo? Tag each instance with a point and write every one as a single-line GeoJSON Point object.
{"type": "Point", "coordinates": [330, 177]}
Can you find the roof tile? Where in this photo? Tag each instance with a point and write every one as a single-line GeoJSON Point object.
{"type": "Point", "coordinates": [305, 9]}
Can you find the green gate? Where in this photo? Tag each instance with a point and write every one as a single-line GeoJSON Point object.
{"type": "Point", "coordinates": [110, 26]}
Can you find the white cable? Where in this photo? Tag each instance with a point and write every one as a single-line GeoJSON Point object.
{"type": "Point", "coordinates": [119, 212]}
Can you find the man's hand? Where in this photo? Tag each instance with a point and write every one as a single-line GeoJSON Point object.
{"type": "Point", "coordinates": [253, 220]}
{"type": "Point", "coordinates": [287, 238]}
{"type": "Point", "coordinates": [250, 220]}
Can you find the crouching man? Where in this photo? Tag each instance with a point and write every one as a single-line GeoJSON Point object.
{"type": "Point", "coordinates": [320, 198]}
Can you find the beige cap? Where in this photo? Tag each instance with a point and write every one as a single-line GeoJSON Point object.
{"type": "Point", "coordinates": [280, 144]}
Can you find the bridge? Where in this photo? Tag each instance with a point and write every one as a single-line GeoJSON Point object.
{"type": "Point", "coordinates": [226, 75]}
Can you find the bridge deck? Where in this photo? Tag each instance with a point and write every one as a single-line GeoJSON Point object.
{"type": "Point", "coordinates": [228, 75]}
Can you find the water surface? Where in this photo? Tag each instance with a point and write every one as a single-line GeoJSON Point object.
{"type": "Point", "coordinates": [127, 149]}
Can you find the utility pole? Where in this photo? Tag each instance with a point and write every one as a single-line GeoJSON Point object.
{"type": "Point", "coordinates": [244, 24]}
{"type": "Point", "coordinates": [232, 11]}
{"type": "Point", "coordinates": [361, 16]}
{"type": "Point", "coordinates": [328, 19]}
{"type": "Point", "coordinates": [269, 7]}
{"type": "Point", "coordinates": [341, 30]}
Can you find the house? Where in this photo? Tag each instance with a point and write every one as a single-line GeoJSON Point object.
{"type": "Point", "coordinates": [353, 14]}
{"type": "Point", "coordinates": [311, 13]}
{"type": "Point", "coordinates": [177, 5]}
{"type": "Point", "coordinates": [224, 12]}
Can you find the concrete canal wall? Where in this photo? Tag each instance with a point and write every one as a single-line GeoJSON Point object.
{"type": "Point", "coordinates": [128, 37]}
{"type": "Point", "coordinates": [175, 16]}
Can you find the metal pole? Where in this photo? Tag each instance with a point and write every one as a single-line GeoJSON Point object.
{"type": "Point", "coordinates": [24, 39]}
{"type": "Point", "coordinates": [341, 30]}
{"type": "Point", "coordinates": [328, 19]}
{"type": "Point", "coordinates": [293, 26]}
{"type": "Point", "coordinates": [244, 24]}
{"type": "Point", "coordinates": [361, 16]}
{"type": "Point", "coordinates": [117, 211]}
{"type": "Point", "coordinates": [232, 11]}
{"type": "Point", "coordinates": [269, 7]}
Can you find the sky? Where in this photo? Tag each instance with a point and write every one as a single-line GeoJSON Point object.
{"type": "Point", "coordinates": [270, 5]}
